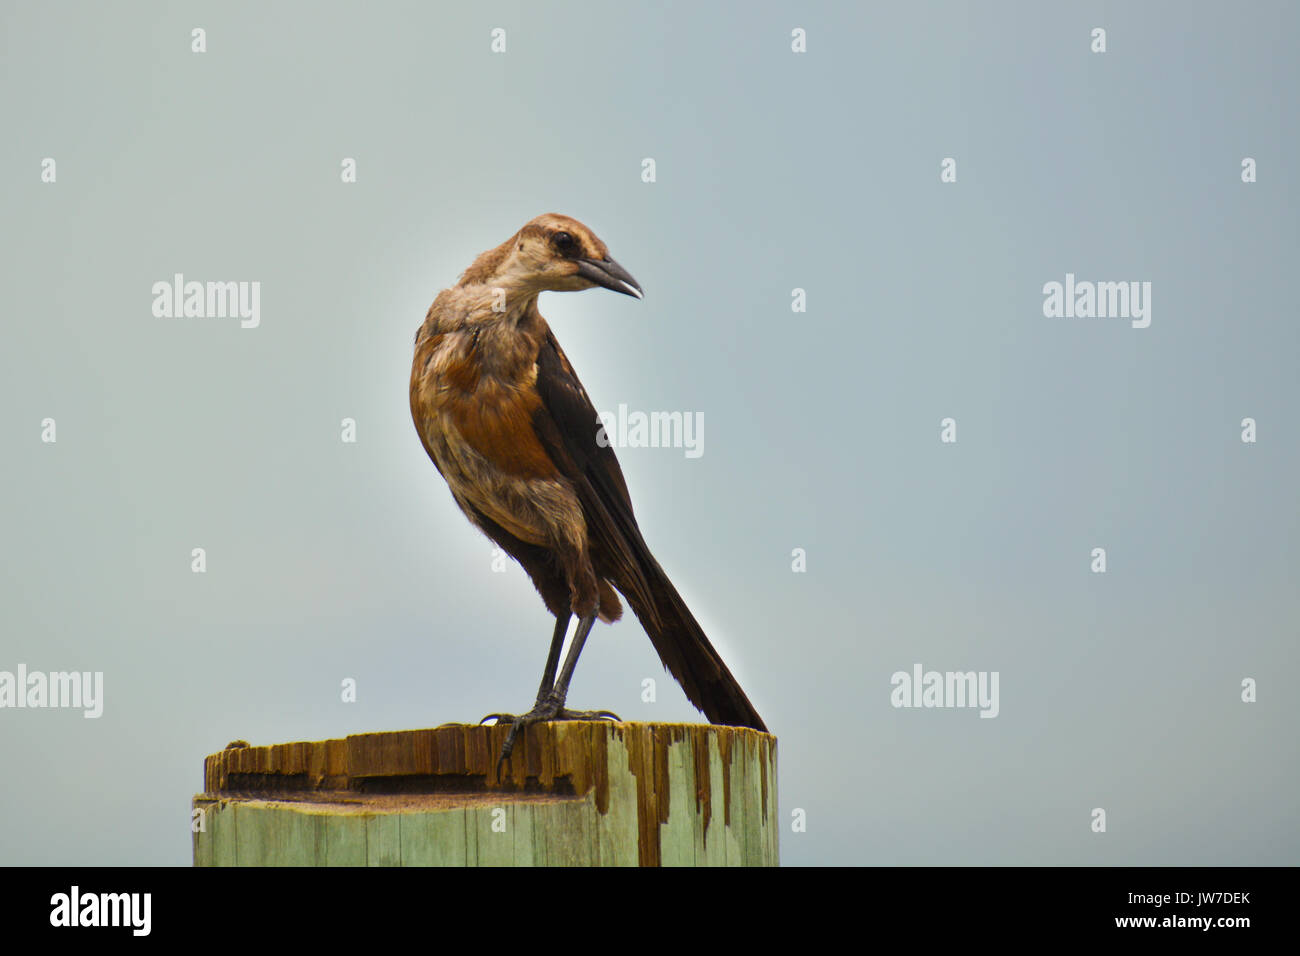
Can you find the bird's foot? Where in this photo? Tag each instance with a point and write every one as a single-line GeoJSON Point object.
{"type": "Point", "coordinates": [534, 716]}
{"type": "Point", "coordinates": [546, 709]}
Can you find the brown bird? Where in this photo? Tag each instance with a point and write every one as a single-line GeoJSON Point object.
{"type": "Point", "coordinates": [511, 429]}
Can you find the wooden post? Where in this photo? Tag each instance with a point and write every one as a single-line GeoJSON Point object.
{"type": "Point", "coordinates": [575, 793]}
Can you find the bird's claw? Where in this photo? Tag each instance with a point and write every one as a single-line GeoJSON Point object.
{"type": "Point", "coordinates": [589, 715]}
{"type": "Point", "coordinates": [543, 711]}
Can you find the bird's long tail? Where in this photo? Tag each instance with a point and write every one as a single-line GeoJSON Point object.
{"type": "Point", "coordinates": [683, 647]}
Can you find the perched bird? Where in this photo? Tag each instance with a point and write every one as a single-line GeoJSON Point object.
{"type": "Point", "coordinates": [502, 414]}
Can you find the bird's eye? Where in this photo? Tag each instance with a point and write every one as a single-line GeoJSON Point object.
{"type": "Point", "coordinates": [563, 241]}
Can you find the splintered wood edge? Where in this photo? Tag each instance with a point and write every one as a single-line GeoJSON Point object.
{"type": "Point", "coordinates": [455, 765]}
{"type": "Point", "coordinates": [567, 756]}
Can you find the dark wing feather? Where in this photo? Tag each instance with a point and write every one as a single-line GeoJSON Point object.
{"type": "Point", "coordinates": [567, 425]}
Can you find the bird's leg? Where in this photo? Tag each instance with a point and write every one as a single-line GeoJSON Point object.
{"type": "Point", "coordinates": [548, 675]}
{"type": "Point", "coordinates": [553, 657]}
{"type": "Point", "coordinates": [561, 689]}
{"type": "Point", "coordinates": [550, 699]}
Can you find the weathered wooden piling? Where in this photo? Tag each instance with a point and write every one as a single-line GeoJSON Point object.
{"type": "Point", "coordinates": [575, 793]}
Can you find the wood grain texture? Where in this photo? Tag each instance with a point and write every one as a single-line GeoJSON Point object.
{"type": "Point", "coordinates": [574, 794]}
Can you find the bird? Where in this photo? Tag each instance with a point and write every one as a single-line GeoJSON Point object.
{"type": "Point", "coordinates": [501, 413]}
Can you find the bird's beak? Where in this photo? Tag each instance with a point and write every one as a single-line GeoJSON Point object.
{"type": "Point", "coordinates": [611, 275]}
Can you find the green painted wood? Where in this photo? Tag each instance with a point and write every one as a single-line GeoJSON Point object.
{"type": "Point", "coordinates": [616, 829]}
{"type": "Point", "coordinates": [597, 793]}
{"type": "Point", "coordinates": [732, 806]}
{"type": "Point", "coordinates": [220, 833]}
{"type": "Point", "coordinates": [345, 840]}
{"type": "Point", "coordinates": [677, 836]}
{"type": "Point", "coordinates": [710, 846]}
{"type": "Point", "coordinates": [384, 839]}
{"type": "Point", "coordinates": [772, 822]}
{"type": "Point", "coordinates": [566, 833]}
{"type": "Point", "coordinates": [519, 833]}
{"type": "Point", "coordinates": [752, 792]}
{"type": "Point", "coordinates": [430, 839]}
{"type": "Point", "coordinates": [494, 830]}
{"type": "Point", "coordinates": [202, 848]}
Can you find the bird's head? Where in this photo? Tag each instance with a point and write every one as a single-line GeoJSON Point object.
{"type": "Point", "coordinates": [559, 254]}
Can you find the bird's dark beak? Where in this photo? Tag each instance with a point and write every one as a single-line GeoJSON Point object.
{"type": "Point", "coordinates": [611, 275]}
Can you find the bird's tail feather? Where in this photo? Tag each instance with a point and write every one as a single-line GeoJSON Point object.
{"type": "Point", "coordinates": [685, 650]}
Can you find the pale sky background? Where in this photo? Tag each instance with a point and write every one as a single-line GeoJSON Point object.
{"type": "Point", "coordinates": [775, 171]}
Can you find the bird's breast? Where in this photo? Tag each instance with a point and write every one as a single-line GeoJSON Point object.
{"type": "Point", "coordinates": [478, 429]}
{"type": "Point", "coordinates": [462, 403]}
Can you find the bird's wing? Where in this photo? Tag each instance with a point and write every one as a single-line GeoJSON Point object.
{"type": "Point", "coordinates": [576, 423]}
{"type": "Point", "coordinates": [567, 426]}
